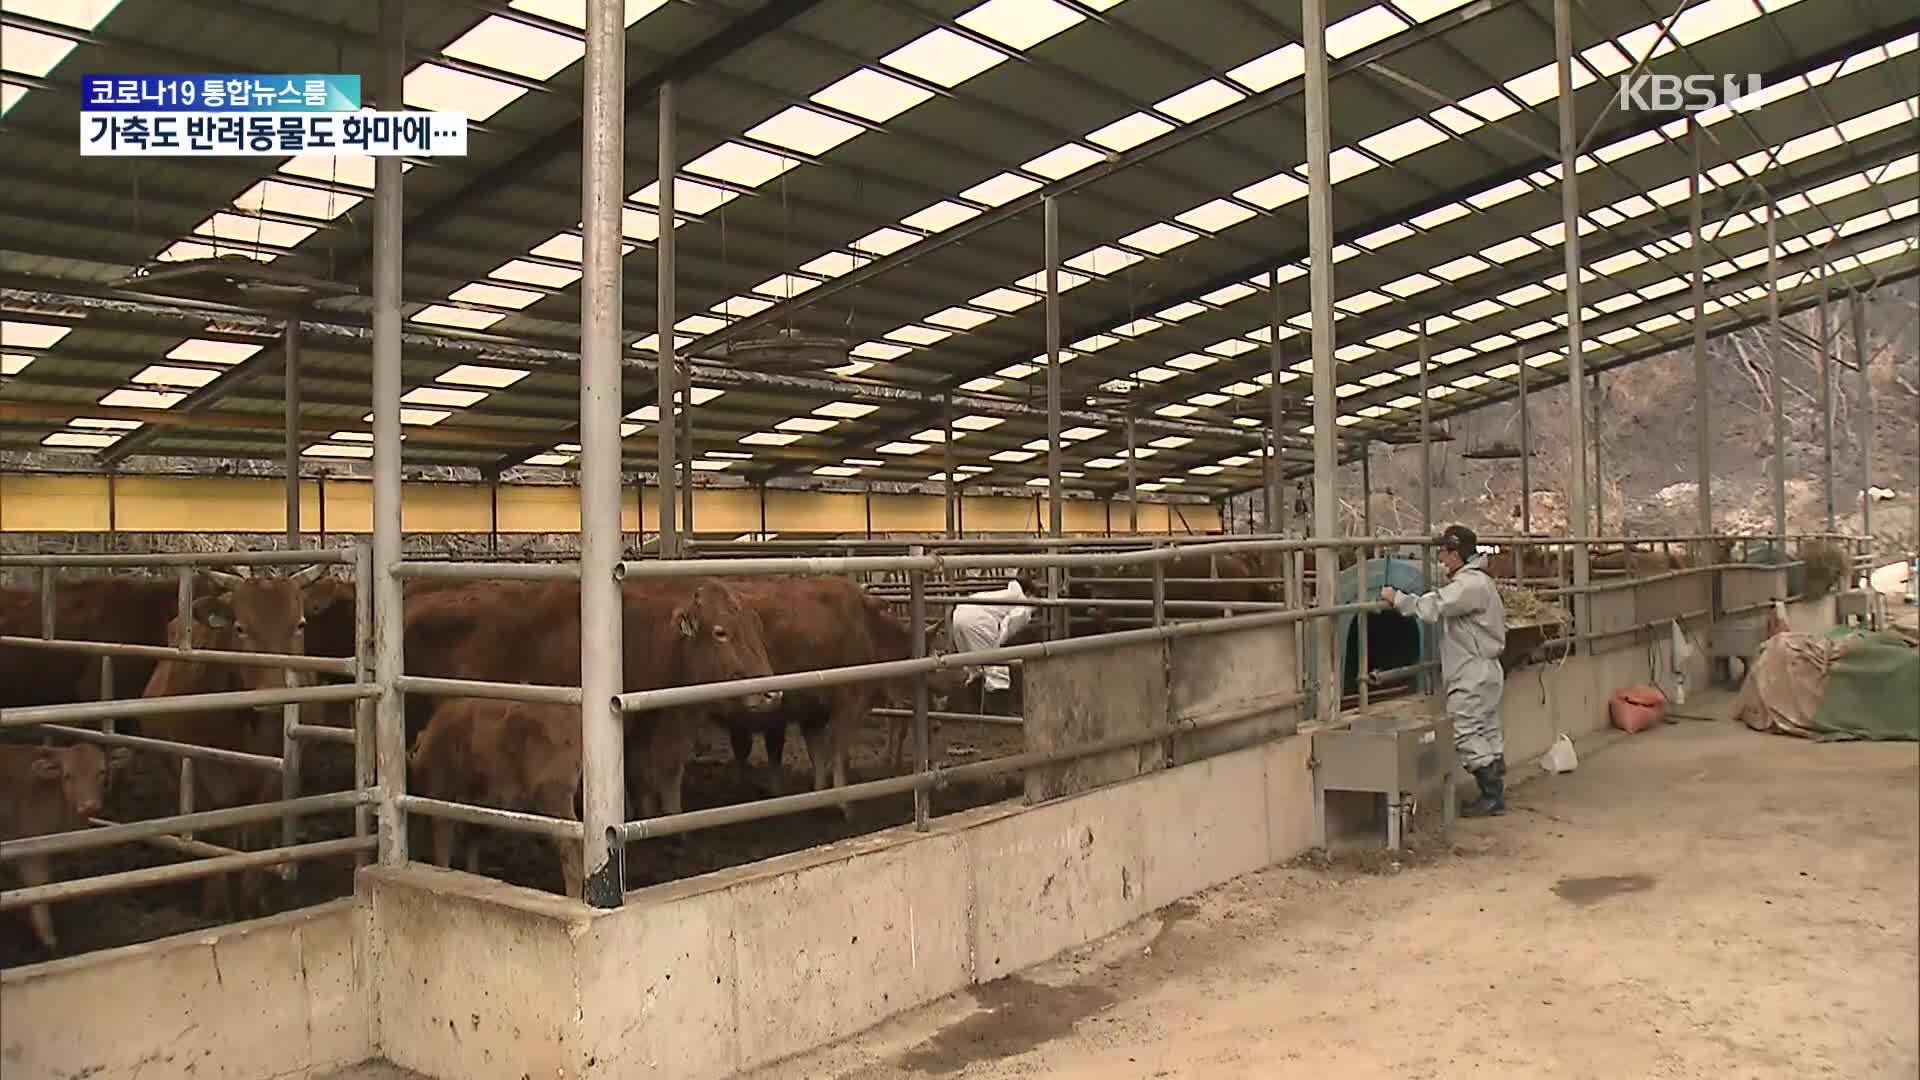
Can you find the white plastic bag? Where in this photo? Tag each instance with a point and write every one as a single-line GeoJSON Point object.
{"type": "Point", "coordinates": [1560, 758]}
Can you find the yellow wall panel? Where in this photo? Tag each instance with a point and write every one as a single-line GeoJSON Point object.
{"type": "Point", "coordinates": [34, 503]}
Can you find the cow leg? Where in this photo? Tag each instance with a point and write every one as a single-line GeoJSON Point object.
{"type": "Point", "coordinates": [253, 899]}
{"type": "Point", "coordinates": [572, 867]}
{"type": "Point", "coordinates": [446, 834]}
{"type": "Point", "coordinates": [774, 736]}
{"type": "Point", "coordinates": [818, 752]}
{"type": "Point", "coordinates": [740, 733]}
{"type": "Point", "coordinates": [896, 741]}
{"type": "Point", "coordinates": [35, 872]}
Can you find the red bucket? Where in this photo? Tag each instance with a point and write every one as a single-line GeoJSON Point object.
{"type": "Point", "coordinates": [1637, 708]}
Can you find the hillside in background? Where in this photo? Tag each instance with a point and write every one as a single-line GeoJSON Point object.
{"type": "Point", "coordinates": [1646, 428]}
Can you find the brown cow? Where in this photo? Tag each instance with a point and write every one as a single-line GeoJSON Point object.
{"type": "Point", "coordinates": [822, 622]}
{"type": "Point", "coordinates": [123, 608]}
{"type": "Point", "coordinates": [1224, 571]}
{"type": "Point", "coordinates": [676, 632]}
{"type": "Point", "coordinates": [505, 754]}
{"type": "Point", "coordinates": [46, 790]}
{"type": "Point", "coordinates": [263, 615]}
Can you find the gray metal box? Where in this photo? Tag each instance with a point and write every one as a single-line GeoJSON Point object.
{"type": "Point", "coordinates": [1408, 759]}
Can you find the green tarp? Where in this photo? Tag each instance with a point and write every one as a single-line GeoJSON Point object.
{"type": "Point", "coordinates": [1873, 688]}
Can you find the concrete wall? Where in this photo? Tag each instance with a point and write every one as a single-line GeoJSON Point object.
{"type": "Point", "coordinates": [279, 997]}
{"type": "Point", "coordinates": [705, 977]}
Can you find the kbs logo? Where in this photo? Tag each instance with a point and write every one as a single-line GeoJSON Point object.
{"type": "Point", "coordinates": [1684, 93]}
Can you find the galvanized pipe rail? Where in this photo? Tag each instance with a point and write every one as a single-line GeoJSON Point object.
{"type": "Point", "coordinates": [111, 835]}
{"type": "Point", "coordinates": [84, 711]}
{"type": "Point", "coordinates": [174, 873]}
{"type": "Point", "coordinates": [324, 665]}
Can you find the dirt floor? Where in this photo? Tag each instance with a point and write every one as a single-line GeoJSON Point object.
{"type": "Point", "coordinates": [147, 790]}
{"type": "Point", "coordinates": [1698, 901]}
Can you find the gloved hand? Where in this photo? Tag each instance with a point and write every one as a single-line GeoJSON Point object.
{"type": "Point", "coordinates": [1389, 594]}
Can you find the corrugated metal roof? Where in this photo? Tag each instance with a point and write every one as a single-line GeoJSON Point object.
{"type": "Point", "coordinates": [864, 132]}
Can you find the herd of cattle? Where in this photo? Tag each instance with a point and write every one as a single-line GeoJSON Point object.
{"type": "Point", "coordinates": [507, 755]}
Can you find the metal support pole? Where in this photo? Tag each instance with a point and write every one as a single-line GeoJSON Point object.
{"type": "Point", "coordinates": [389, 624]}
{"type": "Point", "coordinates": [290, 756]}
{"type": "Point", "coordinates": [667, 374]}
{"type": "Point", "coordinates": [1526, 447]}
{"type": "Point", "coordinates": [922, 741]}
{"type": "Point", "coordinates": [952, 486]}
{"type": "Point", "coordinates": [1426, 497]}
{"type": "Point", "coordinates": [1702, 373]}
{"type": "Point", "coordinates": [1599, 473]}
{"type": "Point", "coordinates": [1276, 410]}
{"type": "Point", "coordinates": [1054, 508]}
{"type": "Point", "coordinates": [291, 391]}
{"type": "Point", "coordinates": [1133, 484]}
{"type": "Point", "coordinates": [1364, 668]}
{"type": "Point", "coordinates": [1159, 589]}
{"type": "Point", "coordinates": [1313, 18]}
{"type": "Point", "coordinates": [1366, 491]}
{"type": "Point", "coordinates": [48, 587]}
{"type": "Point", "coordinates": [1824, 364]}
{"type": "Point", "coordinates": [603, 786]}
{"type": "Point", "coordinates": [363, 710]}
{"type": "Point", "coordinates": [685, 446]}
{"type": "Point", "coordinates": [1576, 345]}
{"type": "Point", "coordinates": [493, 512]}
{"type": "Point", "coordinates": [1774, 346]}
{"type": "Point", "coordinates": [1865, 419]}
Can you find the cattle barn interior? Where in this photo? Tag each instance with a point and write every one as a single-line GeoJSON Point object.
{"type": "Point", "coordinates": [429, 549]}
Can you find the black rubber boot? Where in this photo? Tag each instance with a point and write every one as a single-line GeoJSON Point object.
{"type": "Point", "coordinates": [1493, 792]}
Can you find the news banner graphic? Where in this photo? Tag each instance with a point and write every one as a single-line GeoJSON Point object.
{"type": "Point", "coordinates": [253, 115]}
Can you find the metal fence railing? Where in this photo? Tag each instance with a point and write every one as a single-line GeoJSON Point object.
{"type": "Point", "coordinates": [935, 575]}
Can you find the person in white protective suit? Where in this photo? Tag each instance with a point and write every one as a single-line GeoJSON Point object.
{"type": "Point", "coordinates": [1473, 634]}
{"type": "Point", "coordinates": [989, 624]}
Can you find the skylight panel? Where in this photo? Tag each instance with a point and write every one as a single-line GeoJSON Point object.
{"type": "Point", "coordinates": [10, 93]}
{"type": "Point", "coordinates": [463, 318]}
{"type": "Point", "coordinates": [238, 228]}
{"type": "Point", "coordinates": [1404, 139]}
{"type": "Point", "coordinates": [1007, 300]}
{"type": "Point", "coordinates": [1064, 160]}
{"type": "Point", "coordinates": [1081, 434]}
{"type": "Point", "coordinates": [30, 52]}
{"type": "Point", "coordinates": [1129, 131]}
{"type": "Point", "coordinates": [1525, 294]}
{"type": "Point", "coordinates": [835, 470]}
{"type": "Point", "coordinates": [1001, 189]}
{"type": "Point", "coordinates": [442, 89]}
{"type": "Point", "coordinates": [143, 399]}
{"type": "Point", "coordinates": [1171, 442]}
{"type": "Point", "coordinates": [1364, 302]}
{"type": "Point", "coordinates": [1175, 411]}
{"type": "Point", "coordinates": [1439, 216]}
{"type": "Point", "coordinates": [959, 318]}
{"type": "Point", "coordinates": [736, 163]}
{"type": "Point", "coordinates": [1270, 69]}
{"type": "Point", "coordinates": [1477, 310]}
{"type": "Point", "coordinates": [887, 240]}
{"type": "Point", "coordinates": [1490, 105]}
{"type": "Point", "coordinates": [494, 378]}
{"type": "Point", "coordinates": [510, 45]}
{"type": "Point", "coordinates": [1016, 371]}
{"type": "Point", "coordinates": [79, 440]}
{"type": "Point", "coordinates": [1103, 260]}
{"type": "Point", "coordinates": [1410, 285]}
{"type": "Point", "coordinates": [168, 375]}
{"type": "Point", "coordinates": [1215, 216]}
{"type": "Point", "coordinates": [641, 225]}
{"type": "Point", "coordinates": [1010, 455]}
{"type": "Point", "coordinates": [1019, 24]}
{"type": "Point", "coordinates": [1198, 100]}
{"type": "Point", "coordinates": [770, 438]}
{"type": "Point", "coordinates": [944, 57]}
{"type": "Point", "coordinates": [1181, 311]}
{"type": "Point", "coordinates": [1105, 463]}
{"type": "Point", "coordinates": [443, 397]}
{"type": "Point", "coordinates": [1037, 281]}
{"type": "Point", "coordinates": [804, 131]}
{"type": "Point", "coordinates": [1137, 328]}
{"type": "Point", "coordinates": [902, 449]}
{"type": "Point", "coordinates": [1273, 192]}
{"type": "Point", "coordinates": [574, 12]}
{"type": "Point", "coordinates": [940, 217]}
{"type": "Point", "coordinates": [693, 197]}
{"type": "Point", "coordinates": [807, 424]}
{"type": "Point", "coordinates": [1089, 344]}
{"type": "Point", "coordinates": [551, 460]}
{"type": "Point", "coordinates": [1204, 470]}
{"type": "Point", "coordinates": [1536, 86]}
{"type": "Point", "coordinates": [1361, 29]}
{"type": "Point", "coordinates": [478, 292]}
{"type": "Point", "coordinates": [977, 422]}
{"type": "Point", "coordinates": [31, 335]}
{"type": "Point", "coordinates": [934, 435]}
{"type": "Point", "coordinates": [1159, 238]}
{"type": "Point", "coordinates": [14, 363]}
{"type": "Point", "coordinates": [1155, 374]}
{"type": "Point", "coordinates": [878, 350]}
{"type": "Point", "coordinates": [1509, 250]}
{"type": "Point", "coordinates": [533, 273]}
{"type": "Point", "coordinates": [917, 335]}
{"type": "Point", "coordinates": [871, 95]}
{"type": "Point", "coordinates": [1198, 361]}
{"type": "Point", "coordinates": [297, 199]}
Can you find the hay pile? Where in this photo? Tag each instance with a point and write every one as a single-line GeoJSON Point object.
{"type": "Point", "coordinates": [1526, 607]}
{"type": "Point", "coordinates": [1828, 566]}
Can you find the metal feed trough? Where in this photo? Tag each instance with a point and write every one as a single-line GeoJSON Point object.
{"type": "Point", "coordinates": [1407, 758]}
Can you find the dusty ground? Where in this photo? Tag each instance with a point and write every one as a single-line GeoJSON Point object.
{"type": "Point", "coordinates": [1699, 901]}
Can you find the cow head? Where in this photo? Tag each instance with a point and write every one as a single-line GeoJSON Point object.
{"type": "Point", "coordinates": [722, 639]}
{"type": "Point", "coordinates": [263, 615]}
{"type": "Point", "coordinates": [83, 773]}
